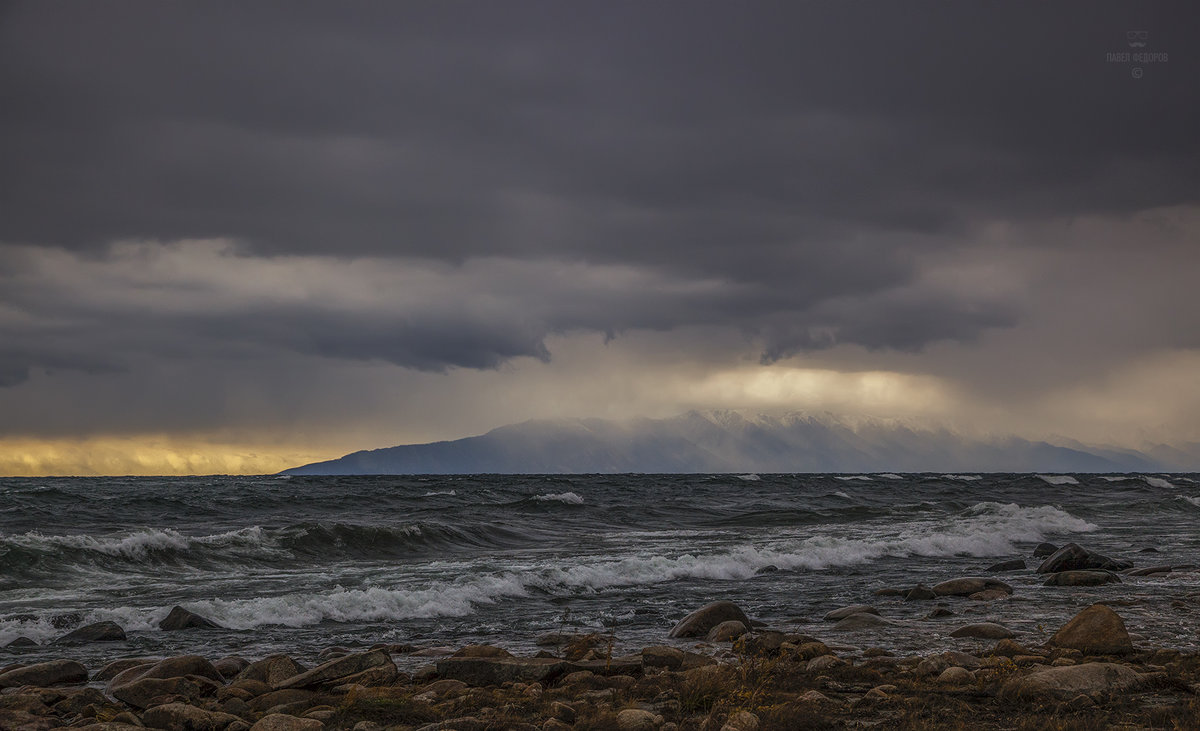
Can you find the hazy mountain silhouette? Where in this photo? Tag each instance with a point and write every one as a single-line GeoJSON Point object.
{"type": "Point", "coordinates": [729, 441]}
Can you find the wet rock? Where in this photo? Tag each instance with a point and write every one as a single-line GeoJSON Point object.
{"type": "Point", "coordinates": [116, 667]}
{"type": "Point", "coordinates": [699, 622]}
{"type": "Point", "coordinates": [171, 667]}
{"type": "Point", "coordinates": [230, 666]}
{"type": "Point", "coordinates": [1043, 550]}
{"type": "Point", "coordinates": [98, 632]}
{"type": "Point", "coordinates": [1073, 557]}
{"type": "Point", "coordinates": [1082, 578]}
{"type": "Point", "coordinates": [768, 569]}
{"type": "Point", "coordinates": [288, 696]}
{"type": "Point", "coordinates": [1150, 571]}
{"type": "Point", "coordinates": [1009, 648]}
{"type": "Point", "coordinates": [1096, 630]}
{"type": "Point", "coordinates": [1014, 565]}
{"type": "Point", "coordinates": [270, 670]}
{"type": "Point", "coordinates": [989, 595]}
{"type": "Point", "coordinates": [147, 692]}
{"type": "Point", "coordinates": [844, 612]}
{"type": "Point", "coordinates": [938, 612]}
{"type": "Point", "coordinates": [1065, 683]}
{"type": "Point", "coordinates": [338, 669]}
{"type": "Point", "coordinates": [22, 642]}
{"type": "Point", "coordinates": [180, 618]}
{"type": "Point", "coordinates": [969, 586]}
{"type": "Point", "coordinates": [44, 674]}
{"type": "Point", "coordinates": [726, 631]}
{"type": "Point", "coordinates": [284, 722]}
{"type": "Point", "coordinates": [983, 630]}
{"type": "Point", "coordinates": [920, 592]}
{"type": "Point", "coordinates": [890, 591]}
{"type": "Point", "coordinates": [187, 718]}
{"type": "Point", "coordinates": [862, 621]}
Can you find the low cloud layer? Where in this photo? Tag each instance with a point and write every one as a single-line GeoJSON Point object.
{"type": "Point", "coordinates": [227, 222]}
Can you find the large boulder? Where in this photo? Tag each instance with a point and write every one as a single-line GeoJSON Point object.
{"type": "Point", "coordinates": [171, 667]}
{"type": "Point", "coordinates": [701, 621]}
{"type": "Point", "coordinates": [1065, 683]}
{"type": "Point", "coordinates": [182, 717]}
{"type": "Point", "coordinates": [726, 631]}
{"type": "Point", "coordinates": [149, 692]}
{"type": "Point", "coordinates": [116, 667]}
{"type": "Point", "coordinates": [1096, 630]}
{"type": "Point", "coordinates": [337, 669]}
{"type": "Point", "coordinates": [43, 674]}
{"type": "Point", "coordinates": [969, 586]}
{"type": "Point", "coordinates": [270, 670]}
{"type": "Point", "coordinates": [1073, 557]}
{"type": "Point", "coordinates": [98, 632]}
{"type": "Point", "coordinates": [1081, 578]}
{"type": "Point", "coordinates": [180, 618]}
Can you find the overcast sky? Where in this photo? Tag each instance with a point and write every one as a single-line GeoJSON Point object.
{"type": "Point", "coordinates": [234, 236]}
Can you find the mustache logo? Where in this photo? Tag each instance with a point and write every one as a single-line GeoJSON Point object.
{"type": "Point", "coordinates": [1137, 38]}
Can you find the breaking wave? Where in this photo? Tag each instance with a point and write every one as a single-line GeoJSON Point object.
{"type": "Point", "coordinates": [568, 498]}
{"type": "Point", "coordinates": [984, 530]}
{"type": "Point", "coordinates": [1059, 479]}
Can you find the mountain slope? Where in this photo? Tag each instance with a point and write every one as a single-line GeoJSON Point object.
{"type": "Point", "coordinates": [728, 441]}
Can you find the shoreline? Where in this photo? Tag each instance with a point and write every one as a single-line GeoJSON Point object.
{"type": "Point", "coordinates": [716, 670]}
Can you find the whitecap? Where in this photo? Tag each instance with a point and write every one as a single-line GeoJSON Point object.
{"type": "Point", "coordinates": [569, 498]}
{"type": "Point", "coordinates": [889, 476]}
{"type": "Point", "coordinates": [1059, 479]}
{"type": "Point", "coordinates": [964, 478]}
{"type": "Point", "coordinates": [863, 478]}
{"type": "Point", "coordinates": [434, 493]}
{"type": "Point", "coordinates": [1193, 500]}
{"type": "Point", "coordinates": [750, 477]}
{"type": "Point", "coordinates": [1158, 482]}
{"type": "Point", "coordinates": [841, 494]}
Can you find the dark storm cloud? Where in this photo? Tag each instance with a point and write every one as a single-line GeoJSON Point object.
{"type": "Point", "coordinates": [806, 157]}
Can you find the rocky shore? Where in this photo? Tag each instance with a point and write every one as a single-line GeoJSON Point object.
{"type": "Point", "coordinates": [717, 670]}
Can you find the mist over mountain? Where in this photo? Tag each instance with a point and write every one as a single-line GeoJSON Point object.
{"type": "Point", "coordinates": [729, 441]}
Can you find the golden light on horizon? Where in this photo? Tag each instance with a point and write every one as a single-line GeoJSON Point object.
{"type": "Point", "coordinates": [154, 455]}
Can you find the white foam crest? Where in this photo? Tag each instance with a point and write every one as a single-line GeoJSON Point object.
{"type": "Point", "coordinates": [1059, 479]}
{"type": "Point", "coordinates": [889, 476]}
{"type": "Point", "coordinates": [434, 493]}
{"type": "Point", "coordinates": [569, 498]}
{"type": "Point", "coordinates": [1158, 482]}
{"type": "Point", "coordinates": [750, 477]}
{"type": "Point", "coordinates": [864, 478]}
{"type": "Point", "coordinates": [839, 493]}
{"type": "Point", "coordinates": [964, 478]}
{"type": "Point", "coordinates": [1112, 478]}
{"type": "Point", "coordinates": [142, 542]}
{"type": "Point", "coordinates": [987, 529]}
{"type": "Point", "coordinates": [1193, 500]}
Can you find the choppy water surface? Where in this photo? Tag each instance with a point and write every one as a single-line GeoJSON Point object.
{"type": "Point", "coordinates": [296, 565]}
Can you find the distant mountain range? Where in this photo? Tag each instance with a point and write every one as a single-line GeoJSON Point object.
{"type": "Point", "coordinates": [729, 441]}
